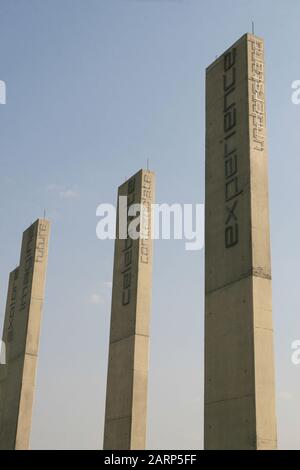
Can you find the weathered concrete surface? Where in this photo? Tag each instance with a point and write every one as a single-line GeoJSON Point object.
{"type": "Point", "coordinates": [239, 358]}
{"type": "Point", "coordinates": [21, 334]}
{"type": "Point", "coordinates": [126, 396]}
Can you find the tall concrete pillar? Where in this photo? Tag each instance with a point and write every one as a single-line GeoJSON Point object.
{"type": "Point", "coordinates": [239, 358]}
{"type": "Point", "coordinates": [126, 394]}
{"type": "Point", "coordinates": [21, 334]}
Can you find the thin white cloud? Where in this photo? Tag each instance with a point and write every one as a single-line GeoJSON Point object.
{"type": "Point", "coordinates": [62, 192]}
{"type": "Point", "coordinates": [68, 194]}
{"type": "Point", "coordinates": [285, 396]}
{"type": "Point", "coordinates": [103, 295]}
{"type": "Point", "coordinates": [107, 284]}
{"type": "Point", "coordinates": [52, 187]}
{"type": "Point", "coordinates": [96, 299]}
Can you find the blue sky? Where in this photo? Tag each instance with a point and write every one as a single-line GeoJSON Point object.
{"type": "Point", "coordinates": [94, 88]}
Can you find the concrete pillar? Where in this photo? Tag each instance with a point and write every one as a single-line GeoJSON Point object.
{"type": "Point", "coordinates": [21, 334]}
{"type": "Point", "coordinates": [239, 359]}
{"type": "Point", "coordinates": [126, 395]}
